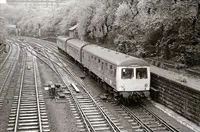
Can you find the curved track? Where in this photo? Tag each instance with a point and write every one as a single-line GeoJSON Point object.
{"type": "Point", "coordinates": [6, 70]}
{"type": "Point", "coordinates": [94, 117]}
{"type": "Point", "coordinates": [91, 113]}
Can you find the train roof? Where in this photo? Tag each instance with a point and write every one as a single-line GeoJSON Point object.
{"type": "Point", "coordinates": [114, 57]}
{"type": "Point", "coordinates": [77, 43]}
{"type": "Point", "coordinates": [63, 38]}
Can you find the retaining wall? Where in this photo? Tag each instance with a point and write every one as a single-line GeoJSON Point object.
{"type": "Point", "coordinates": [182, 99]}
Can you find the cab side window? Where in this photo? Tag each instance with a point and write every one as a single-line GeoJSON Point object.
{"type": "Point", "coordinates": [141, 73]}
{"type": "Point", "coordinates": [127, 73]}
{"type": "Point", "coordinates": [111, 69]}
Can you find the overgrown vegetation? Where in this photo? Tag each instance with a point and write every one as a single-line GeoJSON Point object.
{"type": "Point", "coordinates": [167, 29]}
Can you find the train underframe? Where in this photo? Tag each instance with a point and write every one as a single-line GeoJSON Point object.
{"type": "Point", "coordinates": [124, 97]}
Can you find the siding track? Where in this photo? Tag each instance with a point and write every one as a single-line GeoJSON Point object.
{"type": "Point", "coordinates": [6, 71]}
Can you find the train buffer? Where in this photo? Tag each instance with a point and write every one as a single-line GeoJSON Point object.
{"type": "Point", "coordinates": [75, 87]}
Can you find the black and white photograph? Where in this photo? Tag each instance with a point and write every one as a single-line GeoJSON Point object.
{"type": "Point", "coordinates": [99, 65]}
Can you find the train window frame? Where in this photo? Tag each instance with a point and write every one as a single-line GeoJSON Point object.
{"type": "Point", "coordinates": [115, 72]}
{"type": "Point", "coordinates": [111, 67]}
{"type": "Point", "coordinates": [127, 75]}
{"type": "Point", "coordinates": [102, 67]}
{"type": "Point", "coordinates": [141, 76]}
{"type": "Point", "coordinates": [106, 64]}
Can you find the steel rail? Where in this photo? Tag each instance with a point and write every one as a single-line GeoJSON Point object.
{"type": "Point", "coordinates": [37, 94]}
{"type": "Point", "coordinates": [8, 74]}
{"type": "Point", "coordinates": [4, 61]}
{"type": "Point", "coordinates": [169, 127]}
{"type": "Point", "coordinates": [112, 125]}
{"type": "Point", "coordinates": [87, 127]}
{"type": "Point", "coordinates": [109, 121]}
{"type": "Point", "coordinates": [84, 117]}
{"type": "Point", "coordinates": [144, 126]}
{"type": "Point", "coordinates": [78, 106]}
{"type": "Point", "coordinates": [20, 94]}
{"type": "Point", "coordinates": [161, 120]}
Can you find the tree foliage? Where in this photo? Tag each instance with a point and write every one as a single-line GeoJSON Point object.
{"type": "Point", "coordinates": [166, 29]}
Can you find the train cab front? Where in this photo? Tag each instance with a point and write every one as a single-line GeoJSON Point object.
{"type": "Point", "coordinates": [131, 80]}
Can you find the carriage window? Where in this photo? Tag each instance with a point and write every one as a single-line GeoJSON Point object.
{"type": "Point", "coordinates": [99, 60]}
{"type": "Point", "coordinates": [127, 73]}
{"type": "Point", "coordinates": [141, 73]}
{"type": "Point", "coordinates": [110, 66]}
{"type": "Point", "coordinates": [115, 72]}
{"type": "Point", "coordinates": [106, 64]}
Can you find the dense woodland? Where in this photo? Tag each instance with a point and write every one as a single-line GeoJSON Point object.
{"type": "Point", "coordinates": [166, 29]}
{"type": "Point", "coordinates": [3, 31]}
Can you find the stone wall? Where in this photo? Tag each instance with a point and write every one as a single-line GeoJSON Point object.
{"type": "Point", "coordinates": [182, 99]}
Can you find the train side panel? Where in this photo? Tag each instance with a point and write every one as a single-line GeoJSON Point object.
{"type": "Point", "coordinates": [59, 43]}
{"type": "Point", "coordinates": [74, 52]}
{"type": "Point", "coordinates": [101, 68]}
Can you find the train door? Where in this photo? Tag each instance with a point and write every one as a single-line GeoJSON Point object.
{"type": "Point", "coordinates": [102, 69]}
{"type": "Point", "coordinates": [89, 60]}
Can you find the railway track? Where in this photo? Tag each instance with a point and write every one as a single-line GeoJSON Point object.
{"type": "Point", "coordinates": [140, 118]}
{"type": "Point", "coordinates": [6, 71]}
{"type": "Point", "coordinates": [89, 118]}
{"type": "Point", "coordinates": [143, 119]}
{"type": "Point", "coordinates": [28, 111]}
{"type": "Point", "coordinates": [93, 116]}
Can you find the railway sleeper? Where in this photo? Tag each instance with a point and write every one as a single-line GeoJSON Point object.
{"type": "Point", "coordinates": [27, 128]}
{"type": "Point", "coordinates": [148, 120]}
{"type": "Point", "coordinates": [95, 116]}
{"type": "Point", "coordinates": [28, 114]}
{"type": "Point", "coordinates": [158, 129]}
{"type": "Point", "coordinates": [102, 129]}
{"type": "Point", "coordinates": [155, 125]}
{"type": "Point", "coordinates": [28, 124]}
{"type": "Point", "coordinates": [98, 122]}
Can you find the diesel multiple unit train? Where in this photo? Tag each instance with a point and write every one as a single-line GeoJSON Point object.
{"type": "Point", "coordinates": [123, 74]}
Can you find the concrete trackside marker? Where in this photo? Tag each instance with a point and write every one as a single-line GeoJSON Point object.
{"type": "Point", "coordinates": [75, 87]}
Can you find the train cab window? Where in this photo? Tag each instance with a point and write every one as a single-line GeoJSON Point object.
{"type": "Point", "coordinates": [99, 60]}
{"type": "Point", "coordinates": [141, 73]}
{"type": "Point", "coordinates": [127, 73]}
